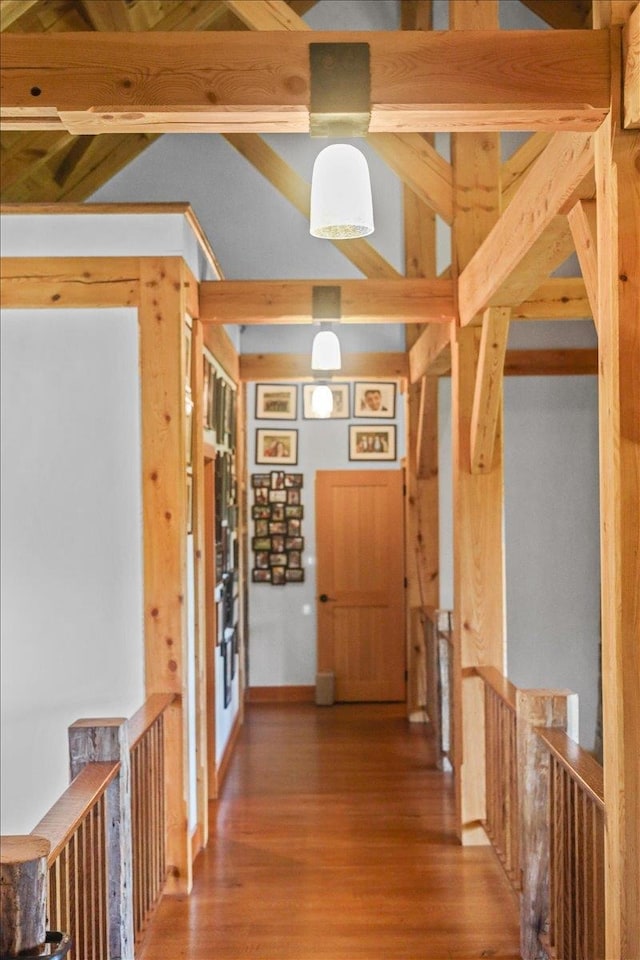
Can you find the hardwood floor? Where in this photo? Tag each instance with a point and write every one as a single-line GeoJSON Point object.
{"type": "Point", "coordinates": [334, 840]}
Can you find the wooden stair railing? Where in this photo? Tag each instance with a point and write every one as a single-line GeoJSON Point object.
{"type": "Point", "coordinates": [146, 736]}
{"type": "Point", "coordinates": [76, 827]}
{"type": "Point", "coordinates": [502, 819]}
{"type": "Point", "coordinates": [106, 837]}
{"type": "Point", "coordinates": [576, 842]}
{"type": "Point", "coordinates": [517, 788]}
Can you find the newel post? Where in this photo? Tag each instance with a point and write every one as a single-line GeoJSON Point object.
{"type": "Point", "coordinates": [92, 741]}
{"type": "Point", "coordinates": [23, 895]}
{"type": "Point", "coordinates": [537, 708]}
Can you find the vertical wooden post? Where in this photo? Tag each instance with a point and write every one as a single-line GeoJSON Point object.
{"type": "Point", "coordinates": [92, 741]}
{"type": "Point", "coordinates": [162, 308]}
{"type": "Point", "coordinates": [421, 507]}
{"type": "Point", "coordinates": [478, 550]}
{"type": "Point", "coordinates": [618, 207]}
{"type": "Point", "coordinates": [537, 708]}
{"type": "Point", "coordinates": [200, 665]}
{"type": "Point", "coordinates": [23, 895]}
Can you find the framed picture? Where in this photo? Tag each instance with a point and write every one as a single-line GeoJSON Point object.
{"type": "Point", "coordinates": [372, 442]}
{"type": "Point", "coordinates": [340, 394]}
{"type": "Point", "coordinates": [276, 401]}
{"type": "Point", "coordinates": [276, 446]}
{"type": "Point", "coordinates": [375, 400]}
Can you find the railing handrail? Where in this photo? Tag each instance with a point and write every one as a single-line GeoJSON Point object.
{"type": "Point", "coordinates": [60, 823]}
{"type": "Point", "coordinates": [499, 684]}
{"type": "Point", "coordinates": [581, 766]}
{"type": "Point", "coordinates": [147, 715]}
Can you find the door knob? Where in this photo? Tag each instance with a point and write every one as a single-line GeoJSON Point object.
{"type": "Point", "coordinates": [323, 598]}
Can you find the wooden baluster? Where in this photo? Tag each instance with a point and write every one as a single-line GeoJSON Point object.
{"type": "Point", "coordinates": [100, 740]}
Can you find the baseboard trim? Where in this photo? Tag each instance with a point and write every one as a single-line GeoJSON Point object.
{"type": "Point", "coordinates": [223, 766]}
{"type": "Point", "coordinates": [290, 694]}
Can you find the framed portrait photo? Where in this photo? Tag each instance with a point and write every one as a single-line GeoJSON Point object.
{"type": "Point", "coordinates": [277, 446]}
{"type": "Point", "coordinates": [370, 441]}
{"type": "Point", "coordinates": [374, 400]}
{"type": "Point", "coordinates": [340, 394]}
{"type": "Point", "coordinates": [276, 401]}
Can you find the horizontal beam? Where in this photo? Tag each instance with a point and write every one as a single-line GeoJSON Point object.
{"type": "Point", "coordinates": [225, 82]}
{"type": "Point", "coordinates": [551, 363]}
{"type": "Point", "coordinates": [362, 301]}
{"type": "Point", "coordinates": [492, 277]}
{"type": "Point", "coordinates": [559, 298]}
{"type": "Point", "coordinates": [297, 366]}
{"type": "Point", "coordinates": [41, 282]}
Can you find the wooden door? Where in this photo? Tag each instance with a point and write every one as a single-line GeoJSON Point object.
{"type": "Point", "coordinates": [360, 578]}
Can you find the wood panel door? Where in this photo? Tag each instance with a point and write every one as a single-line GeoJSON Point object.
{"type": "Point", "coordinates": [360, 578]}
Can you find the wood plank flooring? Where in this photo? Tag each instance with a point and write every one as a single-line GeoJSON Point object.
{"type": "Point", "coordinates": [334, 840]}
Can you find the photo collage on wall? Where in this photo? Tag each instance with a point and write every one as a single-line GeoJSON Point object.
{"type": "Point", "coordinates": [372, 400]}
{"type": "Point", "coordinates": [277, 541]}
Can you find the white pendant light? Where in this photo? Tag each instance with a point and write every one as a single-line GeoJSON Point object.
{"type": "Point", "coordinates": [325, 350]}
{"type": "Point", "coordinates": [341, 205]}
{"type": "Point", "coordinates": [322, 401]}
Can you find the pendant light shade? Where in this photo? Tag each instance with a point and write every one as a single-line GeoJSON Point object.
{"type": "Point", "coordinates": [322, 401]}
{"type": "Point", "coordinates": [325, 351]}
{"type": "Point", "coordinates": [341, 206]}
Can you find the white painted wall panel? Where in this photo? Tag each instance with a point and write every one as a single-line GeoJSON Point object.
{"type": "Point", "coordinates": [72, 642]}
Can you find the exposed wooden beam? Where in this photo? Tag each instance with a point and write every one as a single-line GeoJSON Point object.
{"type": "Point", "coordinates": [431, 353]}
{"type": "Point", "coordinates": [426, 457]}
{"type": "Point", "coordinates": [266, 15]}
{"type": "Point", "coordinates": [219, 82]}
{"type": "Point", "coordinates": [631, 56]}
{"type": "Point", "coordinates": [559, 298]}
{"type": "Point", "coordinates": [107, 14]}
{"type": "Point", "coordinates": [292, 186]}
{"type": "Point", "coordinates": [12, 10]}
{"type": "Point", "coordinates": [420, 167]}
{"type": "Point", "coordinates": [548, 187]}
{"type": "Point", "coordinates": [548, 253]}
{"type": "Point", "coordinates": [69, 282]}
{"type": "Point", "coordinates": [520, 162]}
{"type": "Point", "coordinates": [362, 301]}
{"type": "Point", "coordinates": [539, 363]}
{"type": "Point", "coordinates": [617, 165]}
{"type": "Point", "coordinates": [566, 15]}
{"type": "Point", "coordinates": [411, 157]}
{"type": "Point", "coordinates": [551, 363]}
{"type": "Point", "coordinates": [297, 366]}
{"type": "Point", "coordinates": [26, 153]}
{"type": "Point", "coordinates": [487, 398]}
{"type": "Point", "coordinates": [584, 229]}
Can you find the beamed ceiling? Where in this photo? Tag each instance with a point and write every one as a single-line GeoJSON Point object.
{"type": "Point", "coordinates": [50, 165]}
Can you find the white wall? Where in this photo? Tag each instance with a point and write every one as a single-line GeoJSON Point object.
{"type": "Point", "coordinates": [551, 534]}
{"type": "Point", "coordinates": [71, 541]}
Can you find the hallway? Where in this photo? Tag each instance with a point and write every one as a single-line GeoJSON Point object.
{"type": "Point", "coordinates": [333, 840]}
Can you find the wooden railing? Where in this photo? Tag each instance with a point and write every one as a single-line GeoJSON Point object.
{"type": "Point", "coordinates": [146, 738]}
{"type": "Point", "coordinates": [107, 836]}
{"type": "Point", "coordinates": [576, 865]}
{"type": "Point", "coordinates": [438, 640]}
{"type": "Point", "coordinates": [78, 873]}
{"type": "Point", "coordinates": [502, 819]}
{"type": "Point", "coordinates": [545, 817]}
